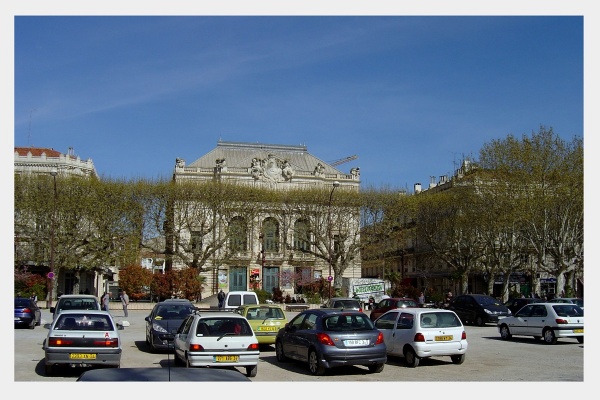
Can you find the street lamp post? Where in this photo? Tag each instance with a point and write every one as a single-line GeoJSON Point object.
{"type": "Point", "coordinates": [51, 276]}
{"type": "Point", "coordinates": [329, 235]}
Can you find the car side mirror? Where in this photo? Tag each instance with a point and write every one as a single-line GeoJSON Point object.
{"type": "Point", "coordinates": [52, 309]}
{"type": "Point", "coordinates": [147, 318]}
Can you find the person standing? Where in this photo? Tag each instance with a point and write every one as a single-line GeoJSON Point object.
{"type": "Point", "coordinates": [221, 298]}
{"type": "Point", "coordinates": [125, 302]}
{"type": "Point", "coordinates": [106, 301]}
{"type": "Point", "coordinates": [422, 300]}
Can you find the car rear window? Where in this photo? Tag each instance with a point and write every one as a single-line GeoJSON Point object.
{"type": "Point", "coordinates": [84, 322]}
{"type": "Point", "coordinates": [219, 326]}
{"type": "Point", "coordinates": [354, 322]}
{"type": "Point", "coordinates": [265, 312]}
{"type": "Point", "coordinates": [78, 304]}
{"type": "Point", "coordinates": [439, 320]}
{"type": "Point", "coordinates": [568, 310]}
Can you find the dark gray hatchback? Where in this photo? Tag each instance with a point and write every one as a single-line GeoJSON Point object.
{"type": "Point", "coordinates": [328, 338]}
{"type": "Point", "coordinates": [163, 322]}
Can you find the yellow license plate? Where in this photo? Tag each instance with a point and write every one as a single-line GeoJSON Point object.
{"type": "Point", "coordinates": [81, 356]}
{"type": "Point", "coordinates": [267, 328]}
{"type": "Point", "coordinates": [227, 358]}
{"type": "Point", "coordinates": [443, 338]}
{"type": "Point", "coordinates": [578, 330]}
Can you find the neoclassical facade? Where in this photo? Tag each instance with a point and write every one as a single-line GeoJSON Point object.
{"type": "Point", "coordinates": [261, 263]}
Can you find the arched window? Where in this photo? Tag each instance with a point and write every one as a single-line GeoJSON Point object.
{"type": "Point", "coordinates": [271, 235]}
{"type": "Point", "coordinates": [238, 235]}
{"type": "Point", "coordinates": [301, 235]}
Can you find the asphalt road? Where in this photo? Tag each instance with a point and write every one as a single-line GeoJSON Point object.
{"type": "Point", "coordinates": [489, 359]}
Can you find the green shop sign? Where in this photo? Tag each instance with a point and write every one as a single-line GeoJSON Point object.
{"type": "Point", "coordinates": [368, 288]}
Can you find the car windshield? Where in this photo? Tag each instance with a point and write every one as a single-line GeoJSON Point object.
{"type": "Point", "coordinates": [346, 304]}
{"type": "Point", "coordinates": [487, 301]}
{"type": "Point", "coordinates": [173, 311]}
{"type": "Point", "coordinates": [84, 322]}
{"type": "Point", "coordinates": [353, 322]}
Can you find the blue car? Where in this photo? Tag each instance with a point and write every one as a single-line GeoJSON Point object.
{"type": "Point", "coordinates": [27, 313]}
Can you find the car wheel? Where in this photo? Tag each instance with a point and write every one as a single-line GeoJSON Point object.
{"type": "Point", "coordinates": [505, 332]}
{"type": "Point", "coordinates": [411, 358]}
{"type": "Point", "coordinates": [580, 339]}
{"type": "Point", "coordinates": [549, 336]}
{"type": "Point", "coordinates": [279, 352]}
{"type": "Point", "coordinates": [32, 325]}
{"type": "Point", "coordinates": [177, 360]}
{"type": "Point", "coordinates": [314, 365]}
{"type": "Point", "coordinates": [251, 371]}
{"type": "Point", "coordinates": [479, 321]}
{"type": "Point", "coordinates": [48, 370]}
{"type": "Point", "coordinates": [458, 358]}
{"type": "Point", "coordinates": [377, 368]}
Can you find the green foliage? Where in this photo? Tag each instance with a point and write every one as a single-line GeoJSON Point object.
{"type": "Point", "coordinates": [263, 295]}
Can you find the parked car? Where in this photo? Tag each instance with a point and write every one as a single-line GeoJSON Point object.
{"type": "Point", "coordinates": [163, 322]}
{"type": "Point", "coordinates": [478, 309]}
{"type": "Point", "coordinates": [386, 305]}
{"type": "Point", "coordinates": [329, 338]}
{"type": "Point", "coordinates": [82, 338]}
{"type": "Point", "coordinates": [27, 313]}
{"type": "Point", "coordinates": [417, 333]}
{"type": "Point", "coordinates": [516, 304]}
{"type": "Point", "coordinates": [343, 303]}
{"type": "Point", "coordinates": [550, 321]}
{"type": "Point", "coordinates": [265, 319]}
{"type": "Point", "coordinates": [217, 339]}
{"type": "Point", "coordinates": [239, 298]}
{"type": "Point", "coordinates": [75, 302]}
{"type": "Point", "coordinates": [570, 300]}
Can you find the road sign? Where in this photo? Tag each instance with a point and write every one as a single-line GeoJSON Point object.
{"type": "Point", "coordinates": [50, 275]}
{"type": "Point", "coordinates": [330, 278]}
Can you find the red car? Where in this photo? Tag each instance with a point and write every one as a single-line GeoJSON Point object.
{"type": "Point", "coordinates": [386, 305]}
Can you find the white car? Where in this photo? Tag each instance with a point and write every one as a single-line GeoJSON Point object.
{"type": "Point", "coordinates": [416, 333]}
{"type": "Point", "coordinates": [82, 338]}
{"type": "Point", "coordinates": [549, 321]}
{"type": "Point", "coordinates": [217, 339]}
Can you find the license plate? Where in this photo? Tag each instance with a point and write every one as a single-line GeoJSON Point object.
{"type": "Point", "coordinates": [578, 330]}
{"type": "Point", "coordinates": [443, 338]}
{"type": "Point", "coordinates": [356, 342]}
{"type": "Point", "coordinates": [267, 328]}
{"type": "Point", "coordinates": [227, 358]}
{"type": "Point", "coordinates": [81, 356]}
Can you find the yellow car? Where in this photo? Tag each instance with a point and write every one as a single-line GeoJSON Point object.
{"type": "Point", "coordinates": [265, 319]}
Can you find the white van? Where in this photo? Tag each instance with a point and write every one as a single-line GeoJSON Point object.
{"type": "Point", "coordinates": [239, 298]}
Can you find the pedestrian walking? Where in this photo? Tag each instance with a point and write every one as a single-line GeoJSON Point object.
{"type": "Point", "coordinates": [106, 301]}
{"type": "Point", "coordinates": [125, 302]}
{"type": "Point", "coordinates": [221, 298]}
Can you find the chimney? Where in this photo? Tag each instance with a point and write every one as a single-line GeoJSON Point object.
{"type": "Point", "coordinates": [417, 188]}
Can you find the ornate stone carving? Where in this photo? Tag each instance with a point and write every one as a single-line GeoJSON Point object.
{"type": "Point", "coordinates": [272, 169]}
{"type": "Point", "coordinates": [179, 163]}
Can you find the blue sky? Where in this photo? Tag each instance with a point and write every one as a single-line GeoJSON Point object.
{"type": "Point", "coordinates": [410, 96]}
